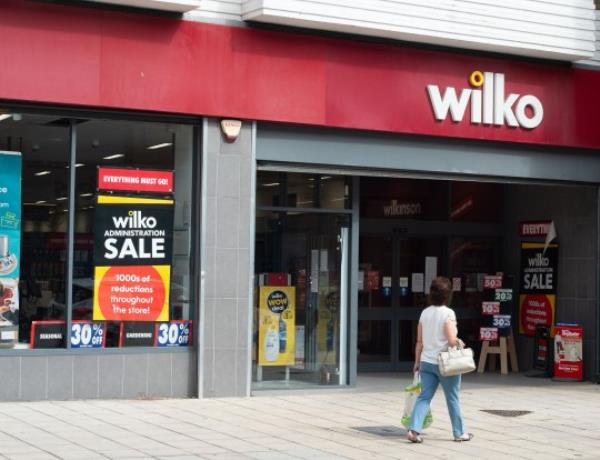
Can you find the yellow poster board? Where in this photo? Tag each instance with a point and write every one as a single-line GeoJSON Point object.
{"type": "Point", "coordinates": [277, 326]}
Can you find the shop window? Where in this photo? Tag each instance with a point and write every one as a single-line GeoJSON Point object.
{"type": "Point", "coordinates": [131, 233]}
{"type": "Point", "coordinates": [301, 281]}
{"type": "Point", "coordinates": [33, 226]}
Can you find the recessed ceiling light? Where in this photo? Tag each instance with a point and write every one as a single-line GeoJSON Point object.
{"type": "Point", "coordinates": [271, 184]}
{"type": "Point", "coordinates": [113, 157]}
{"type": "Point", "coordinates": [40, 202]}
{"type": "Point", "coordinates": [160, 146]}
{"type": "Point", "coordinates": [62, 198]}
{"type": "Point", "coordinates": [5, 116]}
{"type": "Point", "coordinates": [42, 173]}
{"type": "Point", "coordinates": [77, 165]}
{"type": "Point", "coordinates": [86, 194]}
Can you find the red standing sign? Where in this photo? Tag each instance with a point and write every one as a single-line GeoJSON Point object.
{"type": "Point", "coordinates": [568, 352]}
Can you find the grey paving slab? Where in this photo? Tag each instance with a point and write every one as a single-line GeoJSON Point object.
{"type": "Point", "coordinates": [311, 424]}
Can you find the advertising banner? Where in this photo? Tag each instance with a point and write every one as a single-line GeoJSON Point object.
{"type": "Point", "coordinates": [568, 352]}
{"type": "Point", "coordinates": [10, 245]}
{"type": "Point", "coordinates": [135, 180]}
{"type": "Point", "coordinates": [132, 254]}
{"type": "Point", "coordinates": [277, 326]}
{"type": "Point", "coordinates": [539, 279]}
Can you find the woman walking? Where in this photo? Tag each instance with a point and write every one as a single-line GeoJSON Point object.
{"type": "Point", "coordinates": [437, 331]}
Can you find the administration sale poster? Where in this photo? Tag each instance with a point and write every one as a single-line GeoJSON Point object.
{"type": "Point", "coordinates": [538, 283]}
{"type": "Point", "coordinates": [132, 253]}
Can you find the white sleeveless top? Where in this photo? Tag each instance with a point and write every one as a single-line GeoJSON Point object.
{"type": "Point", "coordinates": [432, 322]}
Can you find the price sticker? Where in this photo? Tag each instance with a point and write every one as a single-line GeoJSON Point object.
{"type": "Point", "coordinates": [174, 334]}
{"type": "Point", "coordinates": [87, 334]}
{"type": "Point", "coordinates": [503, 295]}
{"type": "Point", "coordinates": [501, 321]}
{"type": "Point", "coordinates": [492, 282]}
{"type": "Point", "coordinates": [488, 333]}
{"type": "Point", "coordinates": [490, 308]}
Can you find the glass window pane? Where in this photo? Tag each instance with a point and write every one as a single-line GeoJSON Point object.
{"type": "Point", "coordinates": [300, 255]}
{"type": "Point", "coordinates": [39, 295]}
{"type": "Point", "coordinates": [302, 190]}
{"type": "Point", "coordinates": [394, 199]}
{"type": "Point", "coordinates": [375, 268]}
{"type": "Point", "coordinates": [374, 341]}
{"type": "Point", "coordinates": [136, 253]}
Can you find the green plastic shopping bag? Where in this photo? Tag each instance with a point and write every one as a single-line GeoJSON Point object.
{"type": "Point", "coordinates": [412, 391]}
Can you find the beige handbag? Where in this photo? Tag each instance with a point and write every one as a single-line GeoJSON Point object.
{"type": "Point", "coordinates": [456, 361]}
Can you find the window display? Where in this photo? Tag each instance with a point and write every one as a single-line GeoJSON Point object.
{"type": "Point", "coordinates": [131, 238]}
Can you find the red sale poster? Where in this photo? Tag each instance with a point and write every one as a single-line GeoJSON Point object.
{"type": "Point", "coordinates": [568, 352]}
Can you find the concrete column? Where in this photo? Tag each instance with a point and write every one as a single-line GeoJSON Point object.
{"type": "Point", "coordinates": [227, 261]}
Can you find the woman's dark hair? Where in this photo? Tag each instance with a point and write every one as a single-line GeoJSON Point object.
{"type": "Point", "coordinates": [440, 292]}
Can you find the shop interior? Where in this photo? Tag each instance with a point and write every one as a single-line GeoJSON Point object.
{"type": "Point", "coordinates": [410, 230]}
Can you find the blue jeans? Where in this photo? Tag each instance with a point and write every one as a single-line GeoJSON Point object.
{"type": "Point", "coordinates": [430, 379]}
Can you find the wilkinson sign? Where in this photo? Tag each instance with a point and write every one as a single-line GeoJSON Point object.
{"type": "Point", "coordinates": [489, 103]}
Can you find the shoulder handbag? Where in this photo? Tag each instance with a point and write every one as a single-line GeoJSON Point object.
{"type": "Point", "coordinates": [456, 361]}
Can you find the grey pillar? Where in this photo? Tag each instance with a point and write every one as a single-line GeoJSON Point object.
{"type": "Point", "coordinates": [226, 261]}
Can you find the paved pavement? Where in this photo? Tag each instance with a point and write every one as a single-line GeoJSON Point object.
{"type": "Point", "coordinates": [360, 423]}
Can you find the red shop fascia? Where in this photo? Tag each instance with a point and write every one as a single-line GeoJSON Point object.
{"type": "Point", "coordinates": [101, 58]}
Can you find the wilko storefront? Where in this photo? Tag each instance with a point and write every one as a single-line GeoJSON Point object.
{"type": "Point", "coordinates": [153, 249]}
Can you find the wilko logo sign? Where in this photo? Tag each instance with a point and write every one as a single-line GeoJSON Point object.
{"type": "Point", "coordinates": [489, 103]}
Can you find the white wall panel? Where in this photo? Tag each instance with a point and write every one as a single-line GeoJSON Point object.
{"type": "Point", "coordinates": [179, 6]}
{"type": "Point", "coordinates": [554, 29]}
{"type": "Point", "coordinates": [218, 10]}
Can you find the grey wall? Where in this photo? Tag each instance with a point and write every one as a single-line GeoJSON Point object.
{"type": "Point", "coordinates": [228, 223]}
{"type": "Point", "coordinates": [67, 375]}
{"type": "Point", "coordinates": [574, 211]}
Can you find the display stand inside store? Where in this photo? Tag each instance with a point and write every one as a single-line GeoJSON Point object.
{"type": "Point", "coordinates": [505, 347]}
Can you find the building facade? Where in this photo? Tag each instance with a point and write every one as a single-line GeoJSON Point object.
{"type": "Point", "coordinates": [210, 198]}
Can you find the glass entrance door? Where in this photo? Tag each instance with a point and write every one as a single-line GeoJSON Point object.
{"type": "Point", "coordinates": [394, 272]}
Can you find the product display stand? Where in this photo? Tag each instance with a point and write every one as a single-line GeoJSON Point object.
{"type": "Point", "coordinates": [505, 347]}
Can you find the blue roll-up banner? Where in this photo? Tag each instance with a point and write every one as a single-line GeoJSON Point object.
{"type": "Point", "coordinates": [10, 245]}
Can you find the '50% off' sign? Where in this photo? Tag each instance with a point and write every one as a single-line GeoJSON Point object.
{"type": "Point", "coordinates": [174, 334]}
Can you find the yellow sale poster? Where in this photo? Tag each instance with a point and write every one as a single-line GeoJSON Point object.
{"type": "Point", "coordinates": [277, 326]}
